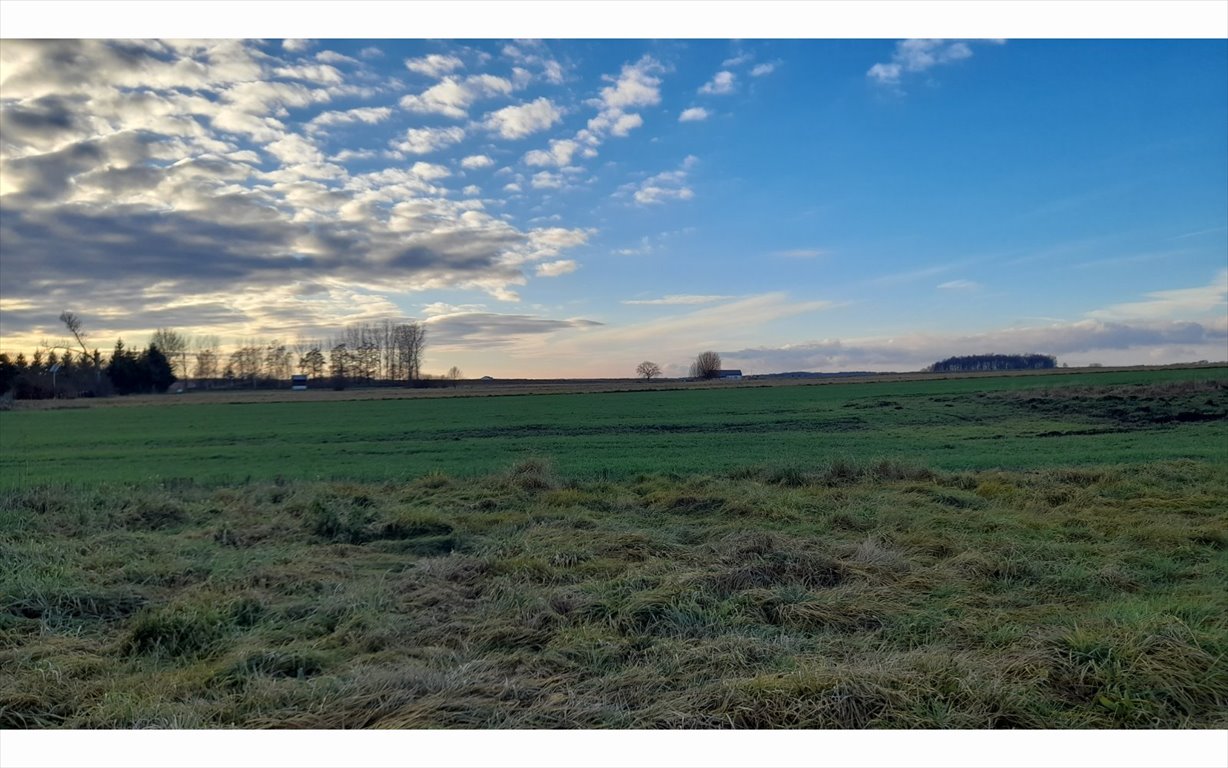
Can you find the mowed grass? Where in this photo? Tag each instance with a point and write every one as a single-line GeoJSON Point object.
{"type": "Point", "coordinates": [1009, 422]}
{"type": "Point", "coordinates": [1036, 552]}
{"type": "Point", "coordinates": [835, 595]}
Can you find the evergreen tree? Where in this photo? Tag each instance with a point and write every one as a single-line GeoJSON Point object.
{"type": "Point", "coordinates": [123, 370]}
{"type": "Point", "coordinates": [156, 370]}
{"type": "Point", "coordinates": [8, 373]}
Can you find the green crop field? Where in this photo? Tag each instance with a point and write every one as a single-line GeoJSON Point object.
{"type": "Point", "coordinates": [1003, 552]}
{"type": "Point", "coordinates": [1008, 422]}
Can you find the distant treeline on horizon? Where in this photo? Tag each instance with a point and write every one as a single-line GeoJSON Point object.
{"type": "Point", "coordinates": [368, 355]}
{"type": "Point", "coordinates": [966, 363]}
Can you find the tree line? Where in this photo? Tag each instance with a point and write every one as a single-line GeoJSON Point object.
{"type": "Point", "coordinates": [387, 352]}
{"type": "Point", "coordinates": [993, 363]}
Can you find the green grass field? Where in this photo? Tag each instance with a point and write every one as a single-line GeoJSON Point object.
{"type": "Point", "coordinates": [1029, 552]}
{"type": "Point", "coordinates": [1008, 422]}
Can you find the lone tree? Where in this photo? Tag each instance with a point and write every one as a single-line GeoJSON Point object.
{"type": "Point", "coordinates": [73, 323]}
{"type": "Point", "coordinates": [647, 370]}
{"type": "Point", "coordinates": [707, 365]}
{"type": "Point", "coordinates": [454, 375]}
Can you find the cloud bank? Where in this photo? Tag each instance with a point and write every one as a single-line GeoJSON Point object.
{"type": "Point", "coordinates": [202, 184]}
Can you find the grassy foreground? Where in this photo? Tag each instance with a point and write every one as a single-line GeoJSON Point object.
{"type": "Point", "coordinates": [838, 594]}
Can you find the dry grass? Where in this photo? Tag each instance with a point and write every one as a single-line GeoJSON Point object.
{"type": "Point", "coordinates": [864, 596]}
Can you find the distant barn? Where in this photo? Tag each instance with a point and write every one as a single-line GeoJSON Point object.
{"type": "Point", "coordinates": [733, 374]}
{"type": "Point", "coordinates": [298, 381]}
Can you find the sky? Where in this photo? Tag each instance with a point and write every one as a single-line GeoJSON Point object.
{"type": "Point", "coordinates": [572, 207]}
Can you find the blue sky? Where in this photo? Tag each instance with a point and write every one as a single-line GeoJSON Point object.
{"type": "Point", "coordinates": [572, 207]}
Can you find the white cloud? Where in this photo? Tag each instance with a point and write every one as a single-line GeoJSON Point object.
{"type": "Point", "coordinates": [676, 299]}
{"type": "Point", "coordinates": [295, 149]}
{"type": "Point", "coordinates": [959, 285]}
{"type": "Point", "coordinates": [559, 155]}
{"type": "Point", "coordinates": [552, 71]}
{"type": "Point", "coordinates": [913, 56]}
{"type": "Point", "coordinates": [430, 171]}
{"type": "Point", "coordinates": [693, 114]}
{"type": "Point", "coordinates": [720, 84]}
{"type": "Point", "coordinates": [766, 68]}
{"type": "Point", "coordinates": [294, 45]}
{"type": "Point", "coordinates": [533, 53]}
{"type": "Point", "coordinates": [655, 192]}
{"type": "Point", "coordinates": [511, 187]}
{"type": "Point", "coordinates": [472, 162]}
{"type": "Point", "coordinates": [434, 65]}
{"type": "Point", "coordinates": [556, 268]}
{"type": "Point", "coordinates": [368, 115]}
{"type": "Point", "coordinates": [548, 241]}
{"type": "Point", "coordinates": [422, 141]}
{"type": "Point", "coordinates": [625, 123]}
{"type": "Point", "coordinates": [516, 122]}
{"type": "Point", "coordinates": [332, 57]}
{"type": "Point", "coordinates": [738, 60]}
{"type": "Point", "coordinates": [473, 190]}
{"type": "Point", "coordinates": [371, 52]}
{"type": "Point", "coordinates": [547, 180]}
{"type": "Point", "coordinates": [452, 96]}
{"type": "Point", "coordinates": [353, 154]}
{"type": "Point", "coordinates": [663, 187]}
{"type": "Point", "coordinates": [636, 86]}
{"type": "Point", "coordinates": [316, 73]}
{"type": "Point", "coordinates": [885, 74]}
{"type": "Point", "coordinates": [1179, 303]}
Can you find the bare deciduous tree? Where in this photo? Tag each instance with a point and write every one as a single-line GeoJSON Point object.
{"type": "Point", "coordinates": [389, 350]}
{"type": "Point", "coordinates": [208, 357]}
{"type": "Point", "coordinates": [73, 323]}
{"type": "Point", "coordinates": [454, 375]}
{"type": "Point", "coordinates": [647, 370]}
{"type": "Point", "coordinates": [174, 345]}
{"type": "Point", "coordinates": [246, 361]}
{"type": "Point", "coordinates": [312, 363]}
{"type": "Point", "coordinates": [277, 360]}
{"type": "Point", "coordinates": [340, 361]}
{"type": "Point", "coordinates": [707, 365]}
